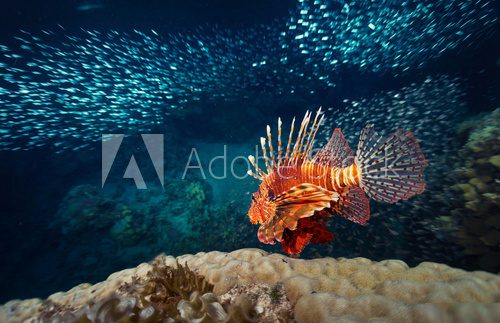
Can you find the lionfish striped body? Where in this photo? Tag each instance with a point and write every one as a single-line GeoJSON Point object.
{"type": "Point", "coordinates": [300, 190]}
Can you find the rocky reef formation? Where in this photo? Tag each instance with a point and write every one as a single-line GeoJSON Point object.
{"type": "Point", "coordinates": [92, 223]}
{"type": "Point", "coordinates": [164, 294]}
{"type": "Point", "coordinates": [475, 219]}
{"type": "Point", "coordinates": [180, 212]}
{"type": "Point", "coordinates": [251, 285]}
{"type": "Point", "coordinates": [127, 217]}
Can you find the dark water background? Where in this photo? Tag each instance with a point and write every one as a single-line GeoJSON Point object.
{"type": "Point", "coordinates": [46, 246]}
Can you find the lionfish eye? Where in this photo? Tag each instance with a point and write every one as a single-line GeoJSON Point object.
{"type": "Point", "coordinates": [270, 194]}
{"type": "Point", "coordinates": [253, 197]}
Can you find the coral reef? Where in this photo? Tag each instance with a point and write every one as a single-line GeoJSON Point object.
{"type": "Point", "coordinates": [319, 290]}
{"type": "Point", "coordinates": [476, 217]}
{"type": "Point", "coordinates": [84, 209]}
{"type": "Point", "coordinates": [166, 286]}
{"type": "Point", "coordinates": [270, 302]}
{"type": "Point", "coordinates": [165, 293]}
{"type": "Point", "coordinates": [128, 218]}
{"type": "Point", "coordinates": [170, 218]}
{"type": "Point", "coordinates": [110, 309]}
{"type": "Point", "coordinates": [206, 308]}
{"type": "Point", "coordinates": [126, 231]}
{"type": "Point", "coordinates": [133, 225]}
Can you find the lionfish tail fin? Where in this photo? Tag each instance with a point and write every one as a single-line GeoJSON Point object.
{"type": "Point", "coordinates": [392, 167]}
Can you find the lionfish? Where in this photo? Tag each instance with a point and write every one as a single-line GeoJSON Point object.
{"type": "Point", "coordinates": [299, 191]}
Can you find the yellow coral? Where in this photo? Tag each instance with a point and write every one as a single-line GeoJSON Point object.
{"type": "Point", "coordinates": [478, 168]}
{"type": "Point", "coordinates": [324, 290]}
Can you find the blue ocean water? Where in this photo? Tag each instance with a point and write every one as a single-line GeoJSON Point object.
{"type": "Point", "coordinates": [206, 77]}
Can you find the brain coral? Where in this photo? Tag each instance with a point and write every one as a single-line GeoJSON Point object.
{"type": "Point", "coordinates": [321, 290]}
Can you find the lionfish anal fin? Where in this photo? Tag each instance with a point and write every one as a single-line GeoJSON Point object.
{"type": "Point", "coordinates": [300, 201]}
{"type": "Point", "coordinates": [353, 205]}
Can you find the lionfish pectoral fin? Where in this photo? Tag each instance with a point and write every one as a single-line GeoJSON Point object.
{"type": "Point", "coordinates": [266, 234]}
{"type": "Point", "coordinates": [300, 201]}
{"type": "Point", "coordinates": [302, 194]}
{"type": "Point", "coordinates": [353, 205]}
{"type": "Point", "coordinates": [336, 153]}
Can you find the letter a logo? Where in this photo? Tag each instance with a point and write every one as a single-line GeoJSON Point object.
{"type": "Point", "coordinates": [111, 144]}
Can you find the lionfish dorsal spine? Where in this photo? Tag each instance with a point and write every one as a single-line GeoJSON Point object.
{"type": "Point", "coordinates": [271, 151]}
{"type": "Point", "coordinates": [298, 141]}
{"type": "Point", "coordinates": [290, 137]}
{"type": "Point", "coordinates": [301, 149]}
{"type": "Point", "coordinates": [280, 148]}
{"type": "Point", "coordinates": [264, 152]}
{"type": "Point", "coordinates": [312, 133]}
{"type": "Point", "coordinates": [259, 173]}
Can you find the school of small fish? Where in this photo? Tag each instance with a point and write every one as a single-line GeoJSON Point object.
{"type": "Point", "coordinates": [431, 108]}
{"type": "Point", "coordinates": [384, 35]}
{"type": "Point", "coordinates": [66, 90]}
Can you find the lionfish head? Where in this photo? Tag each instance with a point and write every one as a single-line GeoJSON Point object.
{"type": "Point", "coordinates": [262, 207]}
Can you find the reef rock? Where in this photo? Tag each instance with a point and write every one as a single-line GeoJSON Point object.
{"type": "Point", "coordinates": [319, 290]}
{"type": "Point", "coordinates": [476, 215]}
